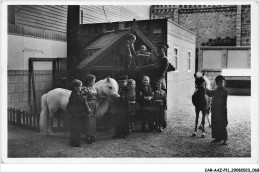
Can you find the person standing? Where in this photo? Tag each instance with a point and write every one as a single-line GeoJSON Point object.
{"type": "Point", "coordinates": [90, 95]}
{"type": "Point", "coordinates": [145, 94]}
{"type": "Point", "coordinates": [163, 65]}
{"type": "Point", "coordinates": [127, 51]}
{"type": "Point", "coordinates": [131, 103]}
{"type": "Point", "coordinates": [158, 71]}
{"type": "Point", "coordinates": [159, 103]}
{"type": "Point", "coordinates": [76, 110]}
{"type": "Point", "coordinates": [120, 109]}
{"type": "Point", "coordinates": [219, 119]}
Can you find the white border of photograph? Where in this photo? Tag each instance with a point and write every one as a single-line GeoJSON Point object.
{"type": "Point", "coordinates": [137, 164]}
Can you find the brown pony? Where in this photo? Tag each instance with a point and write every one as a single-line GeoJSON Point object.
{"type": "Point", "coordinates": [201, 101]}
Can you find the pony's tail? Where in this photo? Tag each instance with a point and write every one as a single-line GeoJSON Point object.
{"type": "Point", "coordinates": [44, 114]}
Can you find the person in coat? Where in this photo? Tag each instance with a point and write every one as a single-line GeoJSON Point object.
{"type": "Point", "coordinates": [160, 104]}
{"type": "Point", "coordinates": [145, 95]}
{"type": "Point", "coordinates": [127, 51]}
{"type": "Point", "coordinates": [76, 109]}
{"type": "Point", "coordinates": [219, 119]}
{"type": "Point", "coordinates": [120, 109]}
{"type": "Point", "coordinates": [131, 103]}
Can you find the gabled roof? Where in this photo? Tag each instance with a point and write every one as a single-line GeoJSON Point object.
{"type": "Point", "coordinates": [101, 44]}
{"type": "Point", "coordinates": [104, 42]}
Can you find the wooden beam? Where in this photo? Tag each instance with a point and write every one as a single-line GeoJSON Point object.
{"type": "Point", "coordinates": [73, 58]}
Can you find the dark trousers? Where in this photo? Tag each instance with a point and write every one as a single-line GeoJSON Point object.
{"type": "Point", "coordinates": [159, 118]}
{"type": "Point", "coordinates": [91, 127]}
{"type": "Point", "coordinates": [121, 125]}
{"type": "Point", "coordinates": [75, 129]}
{"type": "Point", "coordinates": [147, 116]}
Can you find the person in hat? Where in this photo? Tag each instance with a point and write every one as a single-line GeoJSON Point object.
{"type": "Point", "coordinates": [159, 70]}
{"type": "Point", "coordinates": [127, 51]}
{"type": "Point", "coordinates": [219, 119]}
{"type": "Point", "coordinates": [163, 65]}
{"type": "Point", "coordinates": [121, 118]}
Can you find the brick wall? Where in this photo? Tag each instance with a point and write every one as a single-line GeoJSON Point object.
{"type": "Point", "coordinates": [18, 88]}
{"type": "Point", "coordinates": [245, 25]}
{"type": "Point", "coordinates": [210, 25]}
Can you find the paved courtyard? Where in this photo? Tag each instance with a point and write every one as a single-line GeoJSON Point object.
{"type": "Point", "coordinates": [174, 142]}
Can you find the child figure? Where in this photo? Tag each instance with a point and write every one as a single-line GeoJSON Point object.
{"type": "Point", "coordinates": [160, 104]}
{"type": "Point", "coordinates": [121, 120]}
{"type": "Point", "coordinates": [219, 110]}
{"type": "Point", "coordinates": [143, 56]}
{"type": "Point", "coordinates": [90, 95]}
{"type": "Point", "coordinates": [145, 97]}
{"type": "Point", "coordinates": [131, 99]}
{"type": "Point", "coordinates": [76, 110]}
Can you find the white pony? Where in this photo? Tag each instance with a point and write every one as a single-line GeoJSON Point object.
{"type": "Point", "coordinates": [57, 100]}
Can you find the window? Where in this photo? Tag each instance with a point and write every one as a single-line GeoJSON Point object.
{"type": "Point", "coordinates": [189, 61]}
{"type": "Point", "coordinates": [175, 59]}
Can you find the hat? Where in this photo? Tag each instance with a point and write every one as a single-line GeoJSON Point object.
{"type": "Point", "coordinates": [162, 44]}
{"type": "Point", "coordinates": [123, 77]}
{"type": "Point", "coordinates": [219, 78]}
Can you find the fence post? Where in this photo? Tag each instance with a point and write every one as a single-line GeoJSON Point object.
{"type": "Point", "coordinates": [26, 119]}
{"type": "Point", "coordinates": [34, 123]}
{"type": "Point", "coordinates": [23, 119]}
{"type": "Point", "coordinates": [8, 114]}
{"type": "Point", "coordinates": [19, 118]}
{"type": "Point", "coordinates": [13, 114]}
{"type": "Point", "coordinates": [30, 121]}
{"type": "Point", "coordinates": [38, 122]}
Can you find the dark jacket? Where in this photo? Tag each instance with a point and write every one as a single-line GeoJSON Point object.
{"type": "Point", "coordinates": [143, 92]}
{"type": "Point", "coordinates": [219, 112]}
{"type": "Point", "coordinates": [76, 106]}
{"type": "Point", "coordinates": [160, 95]}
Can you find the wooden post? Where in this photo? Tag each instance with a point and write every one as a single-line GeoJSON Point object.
{"type": "Point", "coordinates": [11, 14]}
{"type": "Point", "coordinates": [30, 121]}
{"type": "Point", "coordinates": [19, 118]}
{"type": "Point", "coordinates": [13, 114]}
{"type": "Point", "coordinates": [73, 58]}
{"type": "Point", "coordinates": [8, 114]}
{"type": "Point", "coordinates": [26, 119]}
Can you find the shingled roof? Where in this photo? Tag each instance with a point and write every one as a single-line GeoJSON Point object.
{"type": "Point", "coordinates": [104, 42]}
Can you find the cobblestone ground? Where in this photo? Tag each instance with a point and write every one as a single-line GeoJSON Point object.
{"type": "Point", "coordinates": [174, 142]}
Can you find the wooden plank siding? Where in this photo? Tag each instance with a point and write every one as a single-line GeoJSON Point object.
{"type": "Point", "coordinates": [96, 14]}
{"type": "Point", "coordinates": [54, 17]}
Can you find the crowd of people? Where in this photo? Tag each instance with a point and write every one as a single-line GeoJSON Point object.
{"type": "Point", "coordinates": [147, 99]}
{"type": "Point", "coordinates": [82, 105]}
